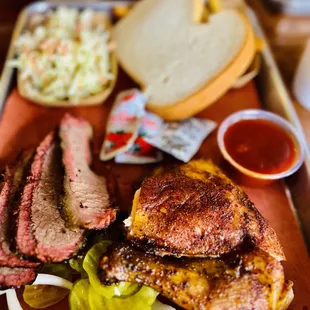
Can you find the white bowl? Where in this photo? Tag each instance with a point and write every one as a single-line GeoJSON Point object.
{"type": "Point", "coordinates": [263, 115]}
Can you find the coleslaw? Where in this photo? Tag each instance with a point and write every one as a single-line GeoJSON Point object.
{"type": "Point", "coordinates": [66, 57]}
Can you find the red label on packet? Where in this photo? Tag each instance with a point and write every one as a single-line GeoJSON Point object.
{"type": "Point", "coordinates": [141, 152]}
{"type": "Point", "coordinates": [123, 124]}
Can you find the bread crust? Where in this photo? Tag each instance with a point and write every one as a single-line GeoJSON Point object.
{"type": "Point", "coordinates": [214, 88]}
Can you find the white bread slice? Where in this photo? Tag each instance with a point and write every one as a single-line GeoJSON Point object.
{"type": "Point", "coordinates": [211, 92]}
{"type": "Point", "coordinates": [172, 57]}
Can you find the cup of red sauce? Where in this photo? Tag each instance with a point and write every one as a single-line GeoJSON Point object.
{"type": "Point", "coordinates": [260, 145]}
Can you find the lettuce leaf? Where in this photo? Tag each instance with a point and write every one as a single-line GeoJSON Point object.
{"type": "Point", "coordinates": [61, 270]}
{"type": "Point", "coordinates": [88, 293]}
{"type": "Point", "coordinates": [77, 265]}
{"type": "Point", "coordinates": [95, 300]}
{"type": "Point", "coordinates": [157, 305]}
{"type": "Point", "coordinates": [142, 300]}
{"type": "Point", "coordinates": [90, 265]}
{"type": "Point", "coordinates": [78, 298]}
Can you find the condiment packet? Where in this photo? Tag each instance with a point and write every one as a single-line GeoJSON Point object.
{"type": "Point", "coordinates": [182, 139]}
{"type": "Point", "coordinates": [142, 152]}
{"type": "Point", "coordinates": [123, 124]}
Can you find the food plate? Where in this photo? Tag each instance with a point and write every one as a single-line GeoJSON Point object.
{"type": "Point", "coordinates": [285, 205]}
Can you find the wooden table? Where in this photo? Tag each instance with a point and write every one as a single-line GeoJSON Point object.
{"type": "Point", "coordinates": [9, 11]}
{"type": "Point", "coordinates": [271, 201]}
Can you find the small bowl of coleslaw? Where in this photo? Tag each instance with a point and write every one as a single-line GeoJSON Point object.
{"type": "Point", "coordinates": [66, 59]}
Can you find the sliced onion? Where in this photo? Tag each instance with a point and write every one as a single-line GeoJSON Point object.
{"type": "Point", "coordinates": [42, 279]}
{"type": "Point", "coordinates": [3, 292]}
{"type": "Point", "coordinates": [157, 305]}
{"type": "Point", "coordinates": [48, 279]}
{"type": "Point", "coordinates": [12, 300]}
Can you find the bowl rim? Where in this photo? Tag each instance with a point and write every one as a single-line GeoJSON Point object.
{"type": "Point", "coordinates": [249, 114]}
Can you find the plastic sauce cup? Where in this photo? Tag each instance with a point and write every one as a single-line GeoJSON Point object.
{"type": "Point", "coordinates": [245, 175]}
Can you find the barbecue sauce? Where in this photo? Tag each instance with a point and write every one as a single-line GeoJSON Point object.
{"type": "Point", "coordinates": [260, 146]}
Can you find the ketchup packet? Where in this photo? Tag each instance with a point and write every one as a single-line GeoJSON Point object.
{"type": "Point", "coordinates": [141, 152]}
{"type": "Point", "coordinates": [182, 139]}
{"type": "Point", "coordinates": [123, 123]}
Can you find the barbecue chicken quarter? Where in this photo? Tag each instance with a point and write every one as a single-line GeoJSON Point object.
{"type": "Point", "coordinates": [253, 280]}
{"type": "Point", "coordinates": [194, 210]}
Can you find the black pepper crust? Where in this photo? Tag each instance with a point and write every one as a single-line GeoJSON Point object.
{"type": "Point", "coordinates": [244, 280]}
{"type": "Point", "coordinates": [195, 210]}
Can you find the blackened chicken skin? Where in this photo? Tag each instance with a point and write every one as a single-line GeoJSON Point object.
{"type": "Point", "coordinates": [195, 210]}
{"type": "Point", "coordinates": [247, 281]}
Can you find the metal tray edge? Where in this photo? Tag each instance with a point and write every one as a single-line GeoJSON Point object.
{"type": "Point", "coordinates": [272, 94]}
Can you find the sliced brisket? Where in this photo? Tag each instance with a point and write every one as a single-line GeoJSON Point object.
{"type": "Point", "coordinates": [41, 231]}
{"type": "Point", "coordinates": [14, 277]}
{"type": "Point", "coordinates": [86, 199]}
{"type": "Point", "coordinates": [12, 179]}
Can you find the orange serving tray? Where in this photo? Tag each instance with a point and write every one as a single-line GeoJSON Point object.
{"type": "Point", "coordinates": [23, 125]}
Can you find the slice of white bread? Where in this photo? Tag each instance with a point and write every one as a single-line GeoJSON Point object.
{"type": "Point", "coordinates": [173, 58]}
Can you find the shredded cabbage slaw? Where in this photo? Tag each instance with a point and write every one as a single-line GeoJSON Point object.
{"type": "Point", "coordinates": [67, 57]}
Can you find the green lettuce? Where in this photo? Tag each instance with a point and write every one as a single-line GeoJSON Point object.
{"type": "Point", "coordinates": [84, 296]}
{"type": "Point", "coordinates": [78, 298]}
{"type": "Point", "coordinates": [90, 265]}
{"type": "Point", "coordinates": [77, 265]}
{"type": "Point", "coordinates": [61, 270]}
{"type": "Point", "coordinates": [88, 293]}
{"type": "Point", "coordinates": [142, 300]}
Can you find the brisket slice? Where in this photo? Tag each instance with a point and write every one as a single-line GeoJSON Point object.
{"type": "Point", "coordinates": [86, 199]}
{"type": "Point", "coordinates": [12, 179]}
{"type": "Point", "coordinates": [14, 277]}
{"type": "Point", "coordinates": [41, 231]}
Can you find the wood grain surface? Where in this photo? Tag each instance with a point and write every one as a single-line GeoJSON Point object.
{"type": "Point", "coordinates": [24, 124]}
